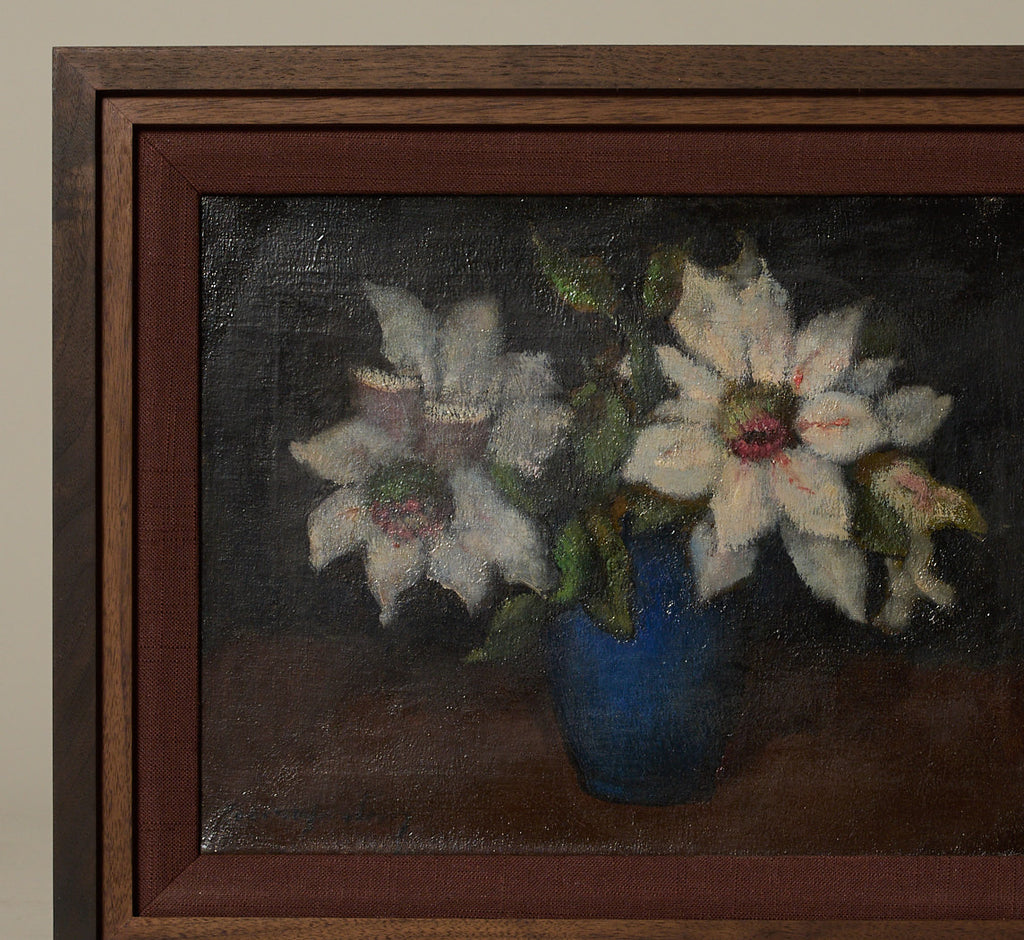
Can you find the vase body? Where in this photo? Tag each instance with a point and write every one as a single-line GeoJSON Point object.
{"type": "Point", "coordinates": [645, 720]}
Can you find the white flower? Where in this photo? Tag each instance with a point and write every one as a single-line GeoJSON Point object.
{"type": "Point", "coordinates": [911, 579]}
{"type": "Point", "coordinates": [922, 505]}
{"type": "Point", "coordinates": [764, 418]}
{"type": "Point", "coordinates": [459, 361]}
{"type": "Point", "coordinates": [414, 494]}
{"type": "Point", "coordinates": [412, 524]}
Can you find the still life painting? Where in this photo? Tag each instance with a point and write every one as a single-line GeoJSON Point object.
{"type": "Point", "coordinates": [608, 524]}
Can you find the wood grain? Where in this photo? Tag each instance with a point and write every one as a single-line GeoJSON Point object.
{"type": "Point", "coordinates": [75, 556]}
{"type": "Point", "coordinates": [623, 109]}
{"type": "Point", "coordinates": [116, 508]}
{"type": "Point", "coordinates": [398, 929]}
{"type": "Point", "coordinates": [894, 86]}
{"type": "Point", "coordinates": [546, 68]}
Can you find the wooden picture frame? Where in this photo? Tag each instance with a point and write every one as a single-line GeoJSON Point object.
{"type": "Point", "coordinates": [139, 134]}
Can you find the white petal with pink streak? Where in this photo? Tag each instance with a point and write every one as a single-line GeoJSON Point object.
{"type": "Point", "coordinates": [824, 350]}
{"type": "Point", "coordinates": [839, 426]}
{"type": "Point", "coordinates": [811, 492]}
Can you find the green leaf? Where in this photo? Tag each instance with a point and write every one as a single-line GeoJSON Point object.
{"type": "Point", "coordinates": [583, 395]}
{"type": "Point", "coordinates": [519, 491]}
{"type": "Point", "coordinates": [586, 284]}
{"type": "Point", "coordinates": [574, 556]}
{"type": "Point", "coordinates": [880, 337]}
{"type": "Point", "coordinates": [649, 510]}
{"type": "Point", "coordinates": [662, 282]}
{"type": "Point", "coordinates": [514, 631]}
{"type": "Point", "coordinates": [957, 510]}
{"type": "Point", "coordinates": [909, 490]}
{"type": "Point", "coordinates": [646, 379]}
{"type": "Point", "coordinates": [397, 482]}
{"type": "Point", "coordinates": [606, 438]}
{"type": "Point", "coordinates": [611, 604]}
{"type": "Point", "coordinates": [877, 526]}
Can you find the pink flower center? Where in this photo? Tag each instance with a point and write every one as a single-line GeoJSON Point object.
{"type": "Point", "coordinates": [412, 518]}
{"type": "Point", "coordinates": [760, 437]}
{"type": "Point", "coordinates": [756, 419]}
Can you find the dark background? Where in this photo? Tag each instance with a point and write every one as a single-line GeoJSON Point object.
{"type": "Point", "coordinates": [283, 321]}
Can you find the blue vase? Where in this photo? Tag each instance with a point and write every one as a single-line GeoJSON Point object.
{"type": "Point", "coordinates": [645, 720]}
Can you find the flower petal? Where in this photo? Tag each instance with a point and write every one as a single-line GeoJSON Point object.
{"type": "Point", "coordinates": [910, 580]}
{"type": "Point", "coordinates": [469, 345]}
{"type": "Point", "coordinates": [392, 567]}
{"type": "Point", "coordinates": [348, 451]}
{"type": "Point", "coordinates": [680, 460]}
{"type": "Point", "coordinates": [899, 605]}
{"type": "Point", "coordinates": [812, 493]}
{"type": "Point", "coordinates": [393, 403]}
{"type": "Point", "coordinates": [839, 426]}
{"type": "Point", "coordinates": [527, 433]}
{"type": "Point", "coordinates": [691, 378]}
{"type": "Point", "coordinates": [918, 565]}
{"type": "Point", "coordinates": [410, 332]}
{"type": "Point", "coordinates": [834, 570]}
{"type": "Point", "coordinates": [459, 570]}
{"type": "Point", "coordinates": [709, 321]}
{"type": "Point", "coordinates": [824, 350]}
{"type": "Point", "coordinates": [337, 526]}
{"type": "Point", "coordinates": [683, 410]}
{"type": "Point", "coordinates": [743, 505]}
{"type": "Point", "coordinates": [717, 569]}
{"type": "Point", "coordinates": [453, 433]}
{"type": "Point", "coordinates": [769, 328]}
{"type": "Point", "coordinates": [524, 377]}
{"type": "Point", "coordinates": [493, 530]}
{"type": "Point", "coordinates": [914, 412]}
{"type": "Point", "coordinates": [870, 376]}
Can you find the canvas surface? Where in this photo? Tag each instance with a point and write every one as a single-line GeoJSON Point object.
{"type": "Point", "coordinates": [324, 730]}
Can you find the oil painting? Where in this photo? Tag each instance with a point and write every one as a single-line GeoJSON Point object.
{"type": "Point", "coordinates": [615, 525]}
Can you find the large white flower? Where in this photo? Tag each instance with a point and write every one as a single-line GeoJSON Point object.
{"type": "Point", "coordinates": [414, 492]}
{"type": "Point", "coordinates": [763, 419]}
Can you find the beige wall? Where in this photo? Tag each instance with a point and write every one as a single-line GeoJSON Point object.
{"type": "Point", "coordinates": [25, 230]}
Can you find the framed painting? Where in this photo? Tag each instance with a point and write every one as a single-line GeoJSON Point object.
{"type": "Point", "coordinates": [538, 492]}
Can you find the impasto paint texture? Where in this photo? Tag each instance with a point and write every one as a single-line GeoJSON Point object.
{"type": "Point", "coordinates": [603, 524]}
